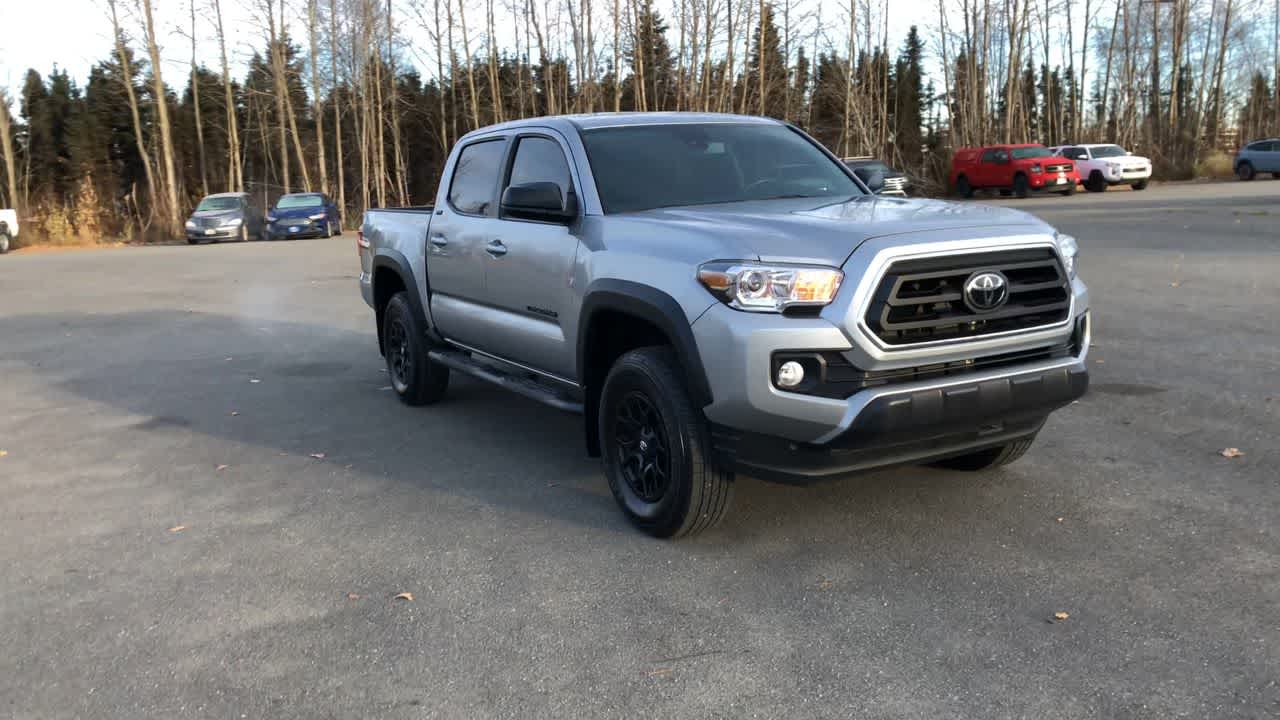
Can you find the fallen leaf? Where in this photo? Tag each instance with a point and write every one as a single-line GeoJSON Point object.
{"type": "Point", "coordinates": [220, 468]}
{"type": "Point", "coordinates": [1174, 284]}
{"type": "Point", "coordinates": [228, 359]}
{"type": "Point", "coordinates": [254, 380]}
{"type": "Point", "coordinates": [824, 583]}
{"type": "Point", "coordinates": [1061, 519]}
{"type": "Point", "coordinates": [404, 596]}
{"type": "Point", "coordinates": [3, 453]}
{"type": "Point", "coordinates": [386, 387]}
{"type": "Point", "coordinates": [177, 528]}
{"type": "Point", "coordinates": [659, 672]}
{"type": "Point", "coordinates": [1100, 361]}
{"type": "Point", "coordinates": [1231, 452]}
{"type": "Point", "coordinates": [1061, 615]}
{"type": "Point", "coordinates": [318, 456]}
{"type": "Point", "coordinates": [353, 596]}
{"type": "Point", "coordinates": [235, 413]}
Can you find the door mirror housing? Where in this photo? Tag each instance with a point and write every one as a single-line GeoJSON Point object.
{"type": "Point", "coordinates": [873, 179]}
{"type": "Point", "coordinates": [544, 201]}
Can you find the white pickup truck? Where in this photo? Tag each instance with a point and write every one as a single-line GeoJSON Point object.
{"type": "Point", "coordinates": [8, 229]}
{"type": "Point", "coordinates": [1101, 166]}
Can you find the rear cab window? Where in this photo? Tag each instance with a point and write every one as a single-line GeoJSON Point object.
{"type": "Point", "coordinates": [539, 159]}
{"type": "Point", "coordinates": [475, 177]}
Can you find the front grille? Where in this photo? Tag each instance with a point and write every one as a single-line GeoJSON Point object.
{"type": "Point", "coordinates": [1064, 167]}
{"type": "Point", "coordinates": [921, 300]}
{"type": "Point", "coordinates": [208, 222]}
{"type": "Point", "coordinates": [833, 376]}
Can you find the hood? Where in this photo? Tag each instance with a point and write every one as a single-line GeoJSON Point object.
{"type": "Point", "coordinates": [216, 215]}
{"type": "Point", "coordinates": [825, 232]}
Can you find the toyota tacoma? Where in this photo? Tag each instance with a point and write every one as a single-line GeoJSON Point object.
{"type": "Point", "coordinates": [720, 294]}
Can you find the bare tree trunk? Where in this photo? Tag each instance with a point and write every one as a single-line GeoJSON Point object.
{"type": "Point", "coordinates": [845, 140]}
{"type": "Point", "coordinates": [10, 159]}
{"type": "Point", "coordinates": [337, 112]}
{"type": "Point", "coordinates": [281, 92]}
{"type": "Point", "coordinates": [466, 57]}
{"type": "Point", "coordinates": [495, 83]}
{"type": "Point", "coordinates": [317, 107]}
{"type": "Point", "coordinates": [195, 103]}
{"type": "Point", "coordinates": [126, 70]}
{"type": "Point", "coordinates": [166, 129]}
{"type": "Point", "coordinates": [617, 57]}
{"type": "Point", "coordinates": [397, 148]}
{"type": "Point", "coordinates": [235, 178]}
{"type": "Point", "coordinates": [290, 112]}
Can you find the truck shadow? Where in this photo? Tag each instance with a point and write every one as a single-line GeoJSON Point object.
{"type": "Point", "coordinates": [299, 389]}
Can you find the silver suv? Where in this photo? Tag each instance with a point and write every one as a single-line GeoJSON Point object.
{"type": "Point", "coordinates": [1258, 157]}
{"type": "Point", "coordinates": [717, 294]}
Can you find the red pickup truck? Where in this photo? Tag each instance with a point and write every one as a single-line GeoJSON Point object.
{"type": "Point", "coordinates": [1020, 169]}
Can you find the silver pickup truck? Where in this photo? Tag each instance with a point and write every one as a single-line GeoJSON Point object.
{"type": "Point", "coordinates": [717, 294]}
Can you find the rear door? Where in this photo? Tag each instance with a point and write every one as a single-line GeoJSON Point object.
{"type": "Point", "coordinates": [991, 169]}
{"type": "Point", "coordinates": [1270, 157]}
{"type": "Point", "coordinates": [529, 263]}
{"type": "Point", "coordinates": [465, 219]}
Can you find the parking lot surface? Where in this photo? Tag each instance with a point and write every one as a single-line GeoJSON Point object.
{"type": "Point", "coordinates": [210, 499]}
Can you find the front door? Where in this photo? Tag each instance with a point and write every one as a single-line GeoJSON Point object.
{"type": "Point", "coordinates": [462, 224]}
{"type": "Point", "coordinates": [529, 264]}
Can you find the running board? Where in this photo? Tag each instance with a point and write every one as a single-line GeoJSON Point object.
{"type": "Point", "coordinates": [528, 387]}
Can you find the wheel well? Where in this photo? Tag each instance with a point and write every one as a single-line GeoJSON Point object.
{"type": "Point", "coordinates": [610, 334]}
{"type": "Point", "coordinates": [386, 283]}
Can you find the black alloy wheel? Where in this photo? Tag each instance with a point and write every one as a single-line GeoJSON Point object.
{"type": "Point", "coordinates": [640, 442]}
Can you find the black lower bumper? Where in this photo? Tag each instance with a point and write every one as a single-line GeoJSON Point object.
{"type": "Point", "coordinates": [911, 427]}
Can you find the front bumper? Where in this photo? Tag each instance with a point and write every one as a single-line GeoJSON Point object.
{"type": "Point", "coordinates": [213, 233]}
{"type": "Point", "coordinates": [286, 229]}
{"type": "Point", "coordinates": [1053, 183]}
{"type": "Point", "coordinates": [1014, 381]}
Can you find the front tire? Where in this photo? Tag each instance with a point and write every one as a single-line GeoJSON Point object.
{"type": "Point", "coordinates": [416, 379]}
{"type": "Point", "coordinates": [656, 448]}
{"type": "Point", "coordinates": [1096, 183]}
{"type": "Point", "coordinates": [990, 458]}
{"type": "Point", "coordinates": [1140, 185]}
{"type": "Point", "coordinates": [1021, 187]}
{"type": "Point", "coordinates": [4, 243]}
{"type": "Point", "coordinates": [1245, 171]}
{"type": "Point", "coordinates": [244, 234]}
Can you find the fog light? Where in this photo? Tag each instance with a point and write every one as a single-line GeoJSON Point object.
{"type": "Point", "coordinates": [790, 374]}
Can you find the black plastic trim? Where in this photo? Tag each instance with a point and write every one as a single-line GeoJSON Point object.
{"type": "Point", "coordinates": [655, 306]}
{"type": "Point", "coordinates": [399, 264]}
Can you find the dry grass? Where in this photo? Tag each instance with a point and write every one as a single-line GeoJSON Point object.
{"type": "Point", "coordinates": [1217, 165]}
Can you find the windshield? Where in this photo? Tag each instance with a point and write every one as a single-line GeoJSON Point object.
{"type": "Point", "coordinates": [287, 202]}
{"type": "Point", "coordinates": [1106, 151]}
{"type": "Point", "coordinates": [218, 203]}
{"type": "Point", "coordinates": [653, 166]}
{"type": "Point", "coordinates": [1028, 153]}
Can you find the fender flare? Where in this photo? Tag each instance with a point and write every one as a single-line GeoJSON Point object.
{"type": "Point", "coordinates": [396, 262]}
{"type": "Point", "coordinates": [655, 306]}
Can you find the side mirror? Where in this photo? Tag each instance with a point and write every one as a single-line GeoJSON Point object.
{"type": "Point", "coordinates": [543, 201]}
{"type": "Point", "coordinates": [873, 179]}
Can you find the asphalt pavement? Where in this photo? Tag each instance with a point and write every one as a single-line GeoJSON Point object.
{"type": "Point", "coordinates": [210, 499]}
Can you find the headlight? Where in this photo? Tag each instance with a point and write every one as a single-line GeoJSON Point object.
{"type": "Point", "coordinates": [1070, 249]}
{"type": "Point", "coordinates": [770, 288]}
{"type": "Point", "coordinates": [191, 224]}
{"type": "Point", "coordinates": [1114, 167]}
{"type": "Point", "coordinates": [271, 218]}
{"type": "Point", "coordinates": [233, 222]}
{"type": "Point", "coordinates": [318, 216]}
{"type": "Point", "coordinates": [1036, 168]}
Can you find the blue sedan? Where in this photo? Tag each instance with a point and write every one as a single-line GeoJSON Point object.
{"type": "Point", "coordinates": [303, 215]}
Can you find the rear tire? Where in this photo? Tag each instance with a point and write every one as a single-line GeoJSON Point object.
{"type": "Point", "coordinates": [4, 243]}
{"type": "Point", "coordinates": [416, 379]}
{"type": "Point", "coordinates": [656, 448]}
{"type": "Point", "coordinates": [990, 458]}
{"type": "Point", "coordinates": [1021, 187]}
{"type": "Point", "coordinates": [963, 188]}
{"type": "Point", "coordinates": [1275, 175]}
{"type": "Point", "coordinates": [1245, 171]}
{"type": "Point", "coordinates": [1095, 182]}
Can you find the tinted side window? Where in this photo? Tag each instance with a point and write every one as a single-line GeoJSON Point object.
{"type": "Point", "coordinates": [475, 176]}
{"type": "Point", "coordinates": [539, 159]}
{"type": "Point", "coordinates": [989, 156]}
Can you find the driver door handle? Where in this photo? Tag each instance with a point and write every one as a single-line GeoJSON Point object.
{"type": "Point", "coordinates": [496, 248]}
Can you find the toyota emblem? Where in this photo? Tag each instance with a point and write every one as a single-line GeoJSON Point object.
{"type": "Point", "coordinates": [986, 291]}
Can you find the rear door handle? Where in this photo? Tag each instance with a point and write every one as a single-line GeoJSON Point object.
{"type": "Point", "coordinates": [439, 241]}
{"type": "Point", "coordinates": [496, 248]}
